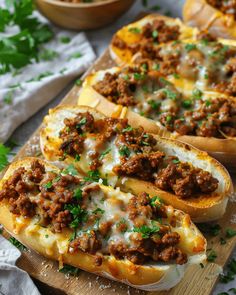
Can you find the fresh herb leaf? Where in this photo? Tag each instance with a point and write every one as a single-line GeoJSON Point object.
{"type": "Point", "coordinates": [98, 211]}
{"type": "Point", "coordinates": [197, 94]}
{"type": "Point", "coordinates": [127, 129]}
{"type": "Point", "coordinates": [17, 244]}
{"type": "Point", "coordinates": [211, 229]}
{"type": "Point", "coordinates": [170, 94]}
{"type": "Point", "coordinates": [71, 170]}
{"type": "Point", "coordinates": [187, 103]}
{"type": "Point", "coordinates": [78, 82]}
{"type": "Point", "coordinates": [230, 233]}
{"type": "Point", "coordinates": [81, 123]}
{"type": "Point", "coordinates": [48, 54]}
{"type": "Point", "coordinates": [78, 194]}
{"type": "Point", "coordinates": [103, 154]}
{"type": "Point", "coordinates": [211, 255]}
{"type": "Point", "coordinates": [155, 34]}
{"type": "Point", "coordinates": [8, 98]}
{"type": "Point", "coordinates": [76, 55]}
{"type": "Point", "coordinates": [222, 241]}
{"type": "Point", "coordinates": [189, 47]}
{"type": "Point", "coordinates": [77, 158]}
{"type": "Point", "coordinates": [93, 175]}
{"type": "Point", "coordinates": [176, 161]}
{"type": "Point", "coordinates": [71, 270]}
{"type": "Point", "coordinates": [4, 152]}
{"type": "Point", "coordinates": [124, 151]}
{"type": "Point", "coordinates": [135, 30]}
{"type": "Point", "coordinates": [155, 105]}
{"type": "Point", "coordinates": [156, 201]}
{"type": "Point", "coordinates": [146, 231]}
{"type": "Point", "coordinates": [65, 39]}
{"type": "Point", "coordinates": [48, 185]}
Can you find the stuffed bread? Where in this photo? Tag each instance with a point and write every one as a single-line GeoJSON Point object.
{"type": "Point", "coordinates": [219, 17]}
{"type": "Point", "coordinates": [145, 98]}
{"type": "Point", "coordinates": [110, 149]}
{"type": "Point", "coordinates": [132, 239]}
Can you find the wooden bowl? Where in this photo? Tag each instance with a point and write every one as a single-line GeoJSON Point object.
{"type": "Point", "coordinates": [83, 16]}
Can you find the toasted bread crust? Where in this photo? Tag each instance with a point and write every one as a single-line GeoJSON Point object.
{"type": "Point", "coordinates": [214, 205]}
{"type": "Point", "coordinates": [146, 277]}
{"type": "Point", "coordinates": [200, 14]}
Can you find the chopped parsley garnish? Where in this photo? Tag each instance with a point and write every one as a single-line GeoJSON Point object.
{"type": "Point", "coordinates": [78, 82]}
{"type": "Point", "coordinates": [48, 185]}
{"type": "Point", "coordinates": [176, 76]}
{"type": "Point", "coordinates": [81, 123]}
{"type": "Point", "coordinates": [146, 231]}
{"type": "Point", "coordinates": [65, 39]}
{"type": "Point", "coordinates": [156, 201]}
{"type": "Point", "coordinates": [230, 272]}
{"type": "Point", "coordinates": [230, 233]}
{"type": "Point", "coordinates": [197, 94]}
{"type": "Point", "coordinates": [98, 211]}
{"type": "Point", "coordinates": [71, 170]}
{"type": "Point", "coordinates": [164, 81]}
{"type": "Point", "coordinates": [189, 47]}
{"type": "Point", "coordinates": [40, 77]}
{"type": "Point", "coordinates": [75, 55]}
{"type": "Point", "coordinates": [8, 98]}
{"type": "Point", "coordinates": [48, 54]}
{"type": "Point", "coordinates": [154, 104]}
{"type": "Point", "coordinates": [156, 67]}
{"type": "Point", "coordinates": [79, 215]}
{"type": "Point", "coordinates": [103, 154]}
{"type": "Point", "coordinates": [135, 30]}
{"type": "Point", "coordinates": [127, 129]}
{"type": "Point", "coordinates": [4, 152]}
{"type": "Point", "coordinates": [77, 158]}
{"type": "Point", "coordinates": [206, 76]}
{"type": "Point", "coordinates": [222, 241]}
{"type": "Point", "coordinates": [187, 103]}
{"type": "Point", "coordinates": [170, 94]}
{"type": "Point", "coordinates": [138, 76]}
{"type": "Point", "coordinates": [78, 194]}
{"type": "Point", "coordinates": [46, 236]}
{"type": "Point", "coordinates": [211, 255]}
{"type": "Point", "coordinates": [155, 34]}
{"type": "Point", "coordinates": [211, 229]}
{"type": "Point", "coordinates": [93, 175]}
{"type": "Point", "coordinates": [169, 119]}
{"type": "Point", "coordinates": [17, 244]}
{"type": "Point", "coordinates": [176, 161]}
{"type": "Point", "coordinates": [124, 151]}
{"type": "Point", "coordinates": [68, 269]}
{"type": "Point", "coordinates": [207, 103]}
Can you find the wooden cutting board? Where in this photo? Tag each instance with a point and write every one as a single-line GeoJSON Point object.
{"type": "Point", "coordinates": [199, 281]}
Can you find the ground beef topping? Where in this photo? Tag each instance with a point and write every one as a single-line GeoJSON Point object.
{"type": "Point", "coordinates": [138, 228]}
{"type": "Point", "coordinates": [227, 7]}
{"type": "Point", "coordinates": [150, 35]}
{"type": "Point", "coordinates": [137, 156]}
{"type": "Point", "coordinates": [154, 97]}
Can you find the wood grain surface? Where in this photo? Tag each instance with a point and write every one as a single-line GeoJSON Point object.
{"type": "Point", "coordinates": [197, 280]}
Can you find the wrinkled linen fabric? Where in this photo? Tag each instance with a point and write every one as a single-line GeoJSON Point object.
{"type": "Point", "coordinates": [12, 279]}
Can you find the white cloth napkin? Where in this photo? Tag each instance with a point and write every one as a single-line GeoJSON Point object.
{"type": "Point", "coordinates": [12, 279]}
{"type": "Point", "coordinates": [29, 97]}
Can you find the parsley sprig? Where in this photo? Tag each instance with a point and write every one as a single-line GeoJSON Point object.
{"type": "Point", "coordinates": [19, 50]}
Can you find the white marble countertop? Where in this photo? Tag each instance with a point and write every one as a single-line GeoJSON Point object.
{"type": "Point", "coordinates": [100, 39]}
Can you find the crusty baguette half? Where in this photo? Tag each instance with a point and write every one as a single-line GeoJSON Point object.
{"type": "Point", "coordinates": [205, 207]}
{"type": "Point", "coordinates": [151, 277]}
{"type": "Point", "coordinates": [129, 36]}
{"type": "Point", "coordinates": [200, 14]}
{"type": "Point", "coordinates": [223, 150]}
